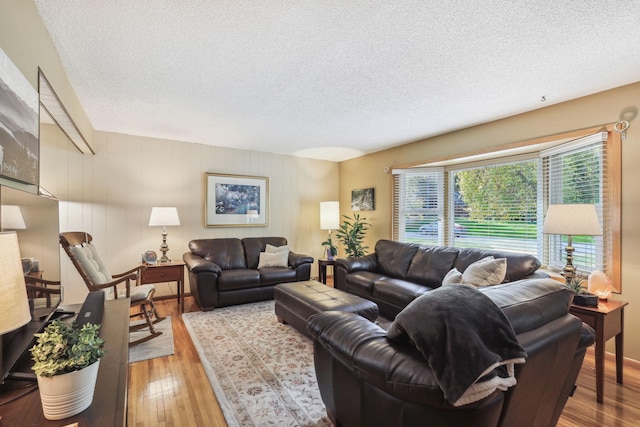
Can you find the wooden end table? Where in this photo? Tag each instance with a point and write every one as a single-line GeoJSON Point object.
{"type": "Point", "coordinates": [607, 319]}
{"type": "Point", "coordinates": [172, 271]}
{"type": "Point", "coordinates": [322, 268]}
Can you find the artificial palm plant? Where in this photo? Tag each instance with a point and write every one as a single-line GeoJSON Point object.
{"type": "Point", "coordinates": [351, 235]}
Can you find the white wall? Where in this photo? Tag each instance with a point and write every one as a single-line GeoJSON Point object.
{"type": "Point", "coordinates": [110, 195]}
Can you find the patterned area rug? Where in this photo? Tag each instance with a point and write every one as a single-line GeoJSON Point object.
{"type": "Point", "coordinates": [260, 370]}
{"type": "Point", "coordinates": [156, 347]}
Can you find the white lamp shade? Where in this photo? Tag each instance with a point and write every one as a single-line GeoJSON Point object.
{"type": "Point", "coordinates": [12, 218]}
{"type": "Point", "coordinates": [164, 216]}
{"type": "Point", "coordinates": [14, 304]}
{"type": "Point", "coordinates": [329, 215]}
{"type": "Point", "coordinates": [574, 220]}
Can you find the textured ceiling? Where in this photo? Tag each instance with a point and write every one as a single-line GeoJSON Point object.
{"type": "Point", "coordinates": [333, 79]}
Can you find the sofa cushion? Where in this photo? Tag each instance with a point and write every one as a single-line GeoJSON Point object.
{"type": "Point", "coordinates": [361, 282]}
{"type": "Point", "coordinates": [398, 292]}
{"type": "Point", "coordinates": [485, 272]}
{"type": "Point", "coordinates": [531, 303]}
{"type": "Point", "coordinates": [394, 258]}
{"type": "Point", "coordinates": [273, 275]}
{"type": "Point", "coordinates": [238, 279]}
{"type": "Point", "coordinates": [254, 245]}
{"type": "Point", "coordinates": [519, 266]}
{"type": "Point", "coordinates": [228, 254]}
{"type": "Point", "coordinates": [430, 264]}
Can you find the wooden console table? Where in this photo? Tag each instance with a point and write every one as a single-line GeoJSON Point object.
{"type": "Point", "coordinates": [607, 319]}
{"type": "Point", "coordinates": [172, 271]}
{"type": "Point", "coordinates": [109, 407]}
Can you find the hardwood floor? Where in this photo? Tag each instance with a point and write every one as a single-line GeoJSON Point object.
{"type": "Point", "coordinates": [175, 391]}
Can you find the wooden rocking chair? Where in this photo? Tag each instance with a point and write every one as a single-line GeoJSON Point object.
{"type": "Point", "coordinates": [96, 276]}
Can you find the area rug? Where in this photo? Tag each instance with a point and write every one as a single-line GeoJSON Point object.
{"type": "Point", "coordinates": [261, 371]}
{"type": "Point", "coordinates": [159, 346]}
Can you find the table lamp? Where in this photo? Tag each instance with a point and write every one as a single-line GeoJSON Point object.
{"type": "Point", "coordinates": [165, 217]}
{"type": "Point", "coordinates": [14, 303]}
{"type": "Point", "coordinates": [572, 220]}
{"type": "Point", "coordinates": [329, 220]}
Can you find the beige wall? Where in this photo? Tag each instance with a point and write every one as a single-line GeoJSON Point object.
{"type": "Point", "coordinates": [595, 110]}
{"type": "Point", "coordinates": [110, 195]}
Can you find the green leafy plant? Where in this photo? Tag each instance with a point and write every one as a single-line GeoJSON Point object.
{"type": "Point", "coordinates": [330, 246]}
{"type": "Point", "coordinates": [577, 283]}
{"type": "Point", "coordinates": [63, 348]}
{"type": "Point", "coordinates": [351, 235]}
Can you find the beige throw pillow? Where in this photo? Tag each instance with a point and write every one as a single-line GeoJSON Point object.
{"type": "Point", "coordinates": [274, 249]}
{"type": "Point", "coordinates": [452, 277]}
{"type": "Point", "coordinates": [277, 259]}
{"type": "Point", "coordinates": [485, 272]}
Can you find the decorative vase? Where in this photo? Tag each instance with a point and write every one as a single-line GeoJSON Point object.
{"type": "Point", "coordinates": [329, 254]}
{"type": "Point", "coordinates": [68, 394]}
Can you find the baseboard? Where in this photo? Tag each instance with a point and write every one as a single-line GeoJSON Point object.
{"type": "Point", "coordinates": [626, 361]}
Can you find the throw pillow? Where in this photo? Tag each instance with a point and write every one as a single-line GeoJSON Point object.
{"type": "Point", "coordinates": [274, 249]}
{"type": "Point", "coordinates": [277, 259]}
{"type": "Point", "coordinates": [485, 272]}
{"type": "Point", "coordinates": [452, 277]}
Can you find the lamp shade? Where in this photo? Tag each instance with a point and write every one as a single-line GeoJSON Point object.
{"type": "Point", "coordinates": [329, 215]}
{"type": "Point", "coordinates": [12, 219]}
{"type": "Point", "coordinates": [573, 220]}
{"type": "Point", "coordinates": [14, 304]}
{"type": "Point", "coordinates": [164, 216]}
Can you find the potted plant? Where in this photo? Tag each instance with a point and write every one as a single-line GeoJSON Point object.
{"type": "Point", "coordinates": [351, 234]}
{"type": "Point", "coordinates": [67, 358]}
{"type": "Point", "coordinates": [582, 296]}
{"type": "Point", "coordinates": [331, 248]}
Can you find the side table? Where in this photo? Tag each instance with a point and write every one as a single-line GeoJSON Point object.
{"type": "Point", "coordinates": [172, 271]}
{"type": "Point", "coordinates": [607, 319]}
{"type": "Point", "coordinates": [322, 268]}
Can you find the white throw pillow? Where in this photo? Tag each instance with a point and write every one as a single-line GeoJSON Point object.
{"type": "Point", "coordinates": [277, 259]}
{"type": "Point", "coordinates": [452, 277]}
{"type": "Point", "coordinates": [485, 272]}
{"type": "Point", "coordinates": [275, 249]}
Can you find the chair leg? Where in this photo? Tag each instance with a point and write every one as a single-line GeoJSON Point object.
{"type": "Point", "coordinates": [148, 324]}
{"type": "Point", "coordinates": [155, 312]}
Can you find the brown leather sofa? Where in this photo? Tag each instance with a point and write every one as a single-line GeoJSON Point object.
{"type": "Point", "coordinates": [225, 271]}
{"type": "Point", "coordinates": [367, 379]}
{"type": "Point", "coordinates": [396, 273]}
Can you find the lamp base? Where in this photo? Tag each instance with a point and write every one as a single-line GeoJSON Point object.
{"type": "Point", "coordinates": [164, 248]}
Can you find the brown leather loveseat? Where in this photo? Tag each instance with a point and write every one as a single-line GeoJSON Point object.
{"type": "Point", "coordinates": [368, 379]}
{"type": "Point", "coordinates": [226, 271]}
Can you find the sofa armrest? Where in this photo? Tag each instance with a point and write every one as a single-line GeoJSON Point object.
{"type": "Point", "coordinates": [296, 260]}
{"type": "Point", "coordinates": [363, 348]}
{"type": "Point", "coordinates": [197, 264]}
{"type": "Point", "coordinates": [351, 264]}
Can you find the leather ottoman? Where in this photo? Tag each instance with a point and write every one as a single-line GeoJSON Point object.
{"type": "Point", "coordinates": [296, 301]}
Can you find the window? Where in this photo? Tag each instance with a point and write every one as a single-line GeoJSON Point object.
{"type": "Point", "coordinates": [500, 203]}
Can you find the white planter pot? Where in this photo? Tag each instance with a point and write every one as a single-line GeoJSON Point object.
{"type": "Point", "coordinates": [68, 394]}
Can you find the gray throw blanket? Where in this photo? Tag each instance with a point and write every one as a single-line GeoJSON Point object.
{"type": "Point", "coordinates": [466, 340]}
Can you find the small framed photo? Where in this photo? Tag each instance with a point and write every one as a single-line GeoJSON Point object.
{"type": "Point", "coordinates": [150, 257]}
{"type": "Point", "coordinates": [363, 200]}
{"type": "Point", "coordinates": [236, 201]}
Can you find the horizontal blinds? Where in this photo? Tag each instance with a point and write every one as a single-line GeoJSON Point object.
{"type": "Point", "coordinates": [576, 174]}
{"type": "Point", "coordinates": [418, 205]}
{"type": "Point", "coordinates": [495, 207]}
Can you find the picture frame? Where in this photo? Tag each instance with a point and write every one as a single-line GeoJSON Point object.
{"type": "Point", "coordinates": [20, 142]}
{"type": "Point", "coordinates": [363, 199]}
{"type": "Point", "coordinates": [150, 257]}
{"type": "Point", "coordinates": [236, 200]}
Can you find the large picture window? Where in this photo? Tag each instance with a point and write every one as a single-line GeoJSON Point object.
{"type": "Point", "coordinates": [501, 203]}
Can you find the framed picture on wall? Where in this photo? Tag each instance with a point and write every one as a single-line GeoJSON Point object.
{"type": "Point", "coordinates": [19, 125]}
{"type": "Point", "coordinates": [236, 201]}
{"type": "Point", "coordinates": [363, 200]}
